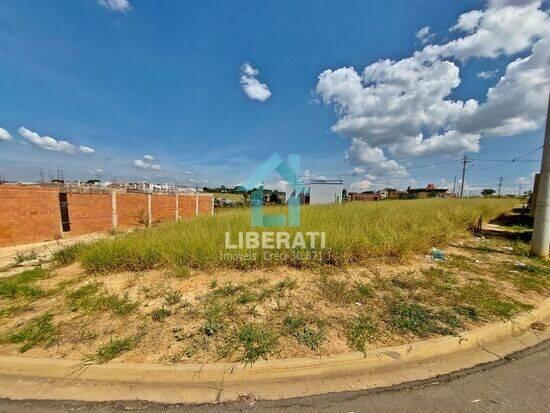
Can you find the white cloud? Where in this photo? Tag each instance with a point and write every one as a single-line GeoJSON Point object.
{"type": "Point", "coordinates": [405, 107]}
{"type": "Point", "coordinates": [149, 157]}
{"type": "Point", "coordinates": [424, 35]}
{"type": "Point", "coordinates": [504, 28]}
{"type": "Point", "coordinates": [117, 5]}
{"type": "Point", "coordinates": [51, 144]}
{"type": "Point", "coordinates": [4, 135]}
{"type": "Point", "coordinates": [251, 85]}
{"type": "Point", "coordinates": [86, 149]}
{"type": "Point", "coordinates": [141, 164]}
{"type": "Point", "coordinates": [487, 74]}
{"type": "Point", "coordinates": [521, 180]}
{"type": "Point", "coordinates": [361, 186]}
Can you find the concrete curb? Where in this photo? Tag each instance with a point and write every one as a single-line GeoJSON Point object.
{"type": "Point", "coordinates": [26, 378]}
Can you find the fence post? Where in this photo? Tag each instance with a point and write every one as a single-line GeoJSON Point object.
{"type": "Point", "coordinates": [149, 209]}
{"type": "Point", "coordinates": [114, 216]}
{"type": "Point", "coordinates": [196, 204]}
{"type": "Point", "coordinates": [177, 207]}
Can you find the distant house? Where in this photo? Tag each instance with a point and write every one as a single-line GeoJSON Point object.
{"type": "Point", "coordinates": [319, 191]}
{"type": "Point", "coordinates": [364, 196]}
{"type": "Point", "coordinates": [429, 192]}
{"type": "Point", "coordinates": [391, 193]}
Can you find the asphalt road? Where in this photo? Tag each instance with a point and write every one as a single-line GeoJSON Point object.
{"type": "Point", "coordinates": [519, 383]}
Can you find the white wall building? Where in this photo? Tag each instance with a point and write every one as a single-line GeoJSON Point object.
{"type": "Point", "coordinates": [319, 191]}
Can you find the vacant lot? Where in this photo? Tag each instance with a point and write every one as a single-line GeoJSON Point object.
{"type": "Point", "coordinates": [166, 295]}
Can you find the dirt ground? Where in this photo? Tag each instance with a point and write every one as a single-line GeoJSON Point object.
{"type": "Point", "coordinates": [230, 315]}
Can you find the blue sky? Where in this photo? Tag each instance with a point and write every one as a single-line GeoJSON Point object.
{"type": "Point", "coordinates": [129, 78]}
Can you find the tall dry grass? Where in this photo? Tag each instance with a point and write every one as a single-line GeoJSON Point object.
{"type": "Point", "coordinates": [355, 232]}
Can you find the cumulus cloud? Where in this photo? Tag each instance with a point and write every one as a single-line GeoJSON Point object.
{"type": "Point", "coordinates": [86, 149]}
{"type": "Point", "coordinates": [253, 88]}
{"type": "Point", "coordinates": [51, 144]}
{"type": "Point", "coordinates": [424, 35]}
{"type": "Point", "coordinates": [4, 135]}
{"type": "Point", "coordinates": [146, 163]}
{"type": "Point", "coordinates": [360, 186]}
{"type": "Point", "coordinates": [487, 74]}
{"type": "Point", "coordinates": [405, 107]}
{"type": "Point", "coordinates": [117, 5]}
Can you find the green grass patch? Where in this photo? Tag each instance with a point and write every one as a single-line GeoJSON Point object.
{"type": "Point", "coordinates": [361, 330]}
{"type": "Point", "coordinates": [113, 349]}
{"type": "Point", "coordinates": [258, 342]}
{"type": "Point", "coordinates": [21, 285]}
{"type": "Point", "coordinates": [69, 254]}
{"type": "Point", "coordinates": [421, 321]}
{"type": "Point", "coordinates": [38, 331]}
{"type": "Point", "coordinates": [310, 335]}
{"type": "Point", "coordinates": [91, 297]}
{"type": "Point", "coordinates": [488, 302]}
{"type": "Point", "coordinates": [340, 291]}
{"type": "Point", "coordinates": [159, 314]}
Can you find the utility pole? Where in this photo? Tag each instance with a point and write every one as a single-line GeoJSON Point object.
{"type": "Point", "coordinates": [541, 229]}
{"type": "Point", "coordinates": [519, 190]}
{"type": "Point", "coordinates": [500, 178]}
{"type": "Point", "coordinates": [464, 163]}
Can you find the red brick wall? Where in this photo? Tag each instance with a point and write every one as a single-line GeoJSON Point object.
{"type": "Point", "coordinates": [89, 213]}
{"type": "Point", "coordinates": [31, 213]}
{"type": "Point", "coordinates": [28, 214]}
{"type": "Point", "coordinates": [187, 206]}
{"type": "Point", "coordinates": [163, 207]}
{"type": "Point", "coordinates": [129, 207]}
{"type": "Point", "coordinates": [205, 204]}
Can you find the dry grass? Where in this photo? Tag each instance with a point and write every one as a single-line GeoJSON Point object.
{"type": "Point", "coordinates": [355, 233]}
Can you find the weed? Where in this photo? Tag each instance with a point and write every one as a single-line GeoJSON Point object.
{"type": "Point", "coordinates": [343, 292]}
{"type": "Point", "coordinates": [468, 312]}
{"type": "Point", "coordinates": [69, 254]}
{"type": "Point", "coordinates": [307, 335]}
{"type": "Point", "coordinates": [258, 342]}
{"type": "Point", "coordinates": [38, 331]}
{"type": "Point", "coordinates": [286, 284]}
{"type": "Point", "coordinates": [20, 285]}
{"type": "Point", "coordinates": [483, 297]}
{"type": "Point", "coordinates": [91, 298]}
{"type": "Point", "coordinates": [172, 297]}
{"type": "Point", "coordinates": [361, 330]}
{"type": "Point", "coordinates": [109, 351]}
{"type": "Point", "coordinates": [12, 310]}
{"type": "Point", "coordinates": [160, 314]}
{"type": "Point", "coordinates": [419, 320]}
{"type": "Point", "coordinates": [22, 256]}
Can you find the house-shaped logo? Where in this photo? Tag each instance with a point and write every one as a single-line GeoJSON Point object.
{"type": "Point", "coordinates": [290, 172]}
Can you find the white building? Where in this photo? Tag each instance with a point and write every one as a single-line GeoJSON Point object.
{"type": "Point", "coordinates": [319, 191]}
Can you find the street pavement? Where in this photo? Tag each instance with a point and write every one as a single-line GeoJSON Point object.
{"type": "Point", "coordinates": [518, 383]}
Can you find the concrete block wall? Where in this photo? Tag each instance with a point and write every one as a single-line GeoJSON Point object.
{"type": "Point", "coordinates": [32, 213]}
{"type": "Point", "coordinates": [28, 214]}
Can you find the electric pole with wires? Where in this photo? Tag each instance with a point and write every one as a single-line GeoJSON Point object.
{"type": "Point", "coordinates": [500, 178]}
{"type": "Point", "coordinates": [464, 163]}
{"type": "Point", "coordinates": [540, 240]}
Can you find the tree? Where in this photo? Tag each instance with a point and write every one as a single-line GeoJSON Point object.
{"type": "Point", "coordinates": [488, 192]}
{"type": "Point", "coordinates": [344, 194]}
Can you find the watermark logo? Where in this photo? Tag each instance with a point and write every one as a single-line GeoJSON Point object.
{"type": "Point", "coordinates": [280, 245]}
{"type": "Point", "coordinates": [288, 171]}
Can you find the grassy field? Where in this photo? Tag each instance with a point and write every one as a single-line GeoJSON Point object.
{"type": "Point", "coordinates": [180, 302]}
{"type": "Point", "coordinates": [355, 233]}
